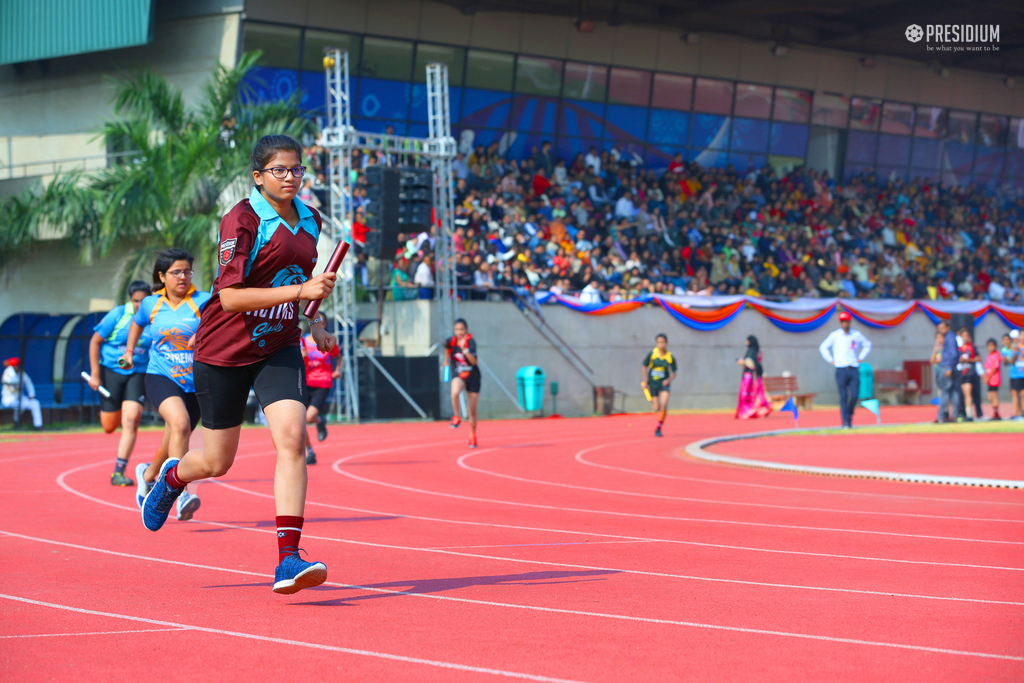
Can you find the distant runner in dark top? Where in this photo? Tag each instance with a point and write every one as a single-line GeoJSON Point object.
{"type": "Point", "coordinates": [659, 371]}
{"type": "Point", "coordinates": [460, 356]}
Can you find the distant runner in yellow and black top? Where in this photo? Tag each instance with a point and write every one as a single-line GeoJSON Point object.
{"type": "Point", "coordinates": [659, 371]}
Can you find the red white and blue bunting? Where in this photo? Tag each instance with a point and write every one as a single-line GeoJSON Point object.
{"type": "Point", "coordinates": [707, 313]}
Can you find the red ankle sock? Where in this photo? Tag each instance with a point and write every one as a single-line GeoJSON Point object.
{"type": "Point", "coordinates": [289, 530]}
{"type": "Point", "coordinates": [173, 480]}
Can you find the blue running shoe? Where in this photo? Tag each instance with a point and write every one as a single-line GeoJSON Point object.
{"type": "Point", "coordinates": [294, 574]}
{"type": "Point", "coordinates": [141, 487]}
{"type": "Point", "coordinates": [188, 503]}
{"type": "Point", "coordinates": [160, 499]}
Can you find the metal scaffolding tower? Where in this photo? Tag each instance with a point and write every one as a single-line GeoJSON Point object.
{"type": "Point", "coordinates": [340, 139]}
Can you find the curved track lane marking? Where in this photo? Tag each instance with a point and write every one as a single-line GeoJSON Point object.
{"type": "Point", "coordinates": [539, 506]}
{"type": "Point", "coordinates": [63, 484]}
{"type": "Point", "coordinates": [462, 463]}
{"type": "Point", "coordinates": [489, 603]}
{"type": "Point", "coordinates": [302, 643]}
{"type": "Point", "coordinates": [896, 496]}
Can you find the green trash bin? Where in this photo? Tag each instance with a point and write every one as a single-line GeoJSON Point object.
{"type": "Point", "coordinates": [530, 384]}
{"type": "Point", "coordinates": [867, 382]}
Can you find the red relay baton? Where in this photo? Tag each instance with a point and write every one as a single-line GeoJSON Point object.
{"type": "Point", "coordinates": [332, 267]}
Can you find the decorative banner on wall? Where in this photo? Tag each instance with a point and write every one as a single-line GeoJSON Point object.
{"type": "Point", "coordinates": [707, 313]}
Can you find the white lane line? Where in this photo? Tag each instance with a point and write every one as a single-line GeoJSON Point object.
{"type": "Point", "coordinates": [95, 633]}
{"type": "Point", "coordinates": [698, 450]}
{"type": "Point", "coordinates": [700, 520]}
{"type": "Point", "coordinates": [528, 545]}
{"type": "Point", "coordinates": [489, 603]}
{"type": "Point", "coordinates": [593, 534]}
{"type": "Point", "coordinates": [894, 496]}
{"type": "Point", "coordinates": [462, 463]}
{"type": "Point", "coordinates": [301, 643]}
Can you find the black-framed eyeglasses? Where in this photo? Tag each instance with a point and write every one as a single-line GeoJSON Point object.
{"type": "Point", "coordinates": [179, 274]}
{"type": "Point", "coordinates": [280, 172]}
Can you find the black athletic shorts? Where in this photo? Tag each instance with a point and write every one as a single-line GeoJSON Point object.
{"type": "Point", "coordinates": [224, 391]}
{"type": "Point", "coordinates": [160, 388]}
{"type": "Point", "coordinates": [656, 388]}
{"type": "Point", "coordinates": [473, 381]}
{"type": "Point", "coordinates": [318, 398]}
{"type": "Point", "coordinates": [1017, 383]}
{"type": "Point", "coordinates": [122, 388]}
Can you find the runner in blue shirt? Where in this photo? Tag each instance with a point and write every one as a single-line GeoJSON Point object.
{"type": "Point", "coordinates": [1013, 356]}
{"type": "Point", "coordinates": [172, 316]}
{"type": "Point", "coordinates": [126, 388]}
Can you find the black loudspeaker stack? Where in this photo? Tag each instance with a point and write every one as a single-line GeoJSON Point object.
{"type": "Point", "coordinates": [959, 320]}
{"type": "Point", "coordinates": [400, 201]}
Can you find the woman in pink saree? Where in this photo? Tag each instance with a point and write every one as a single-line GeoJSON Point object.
{"type": "Point", "coordinates": [752, 400]}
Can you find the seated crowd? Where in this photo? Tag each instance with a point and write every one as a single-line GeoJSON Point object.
{"type": "Point", "coordinates": [606, 228]}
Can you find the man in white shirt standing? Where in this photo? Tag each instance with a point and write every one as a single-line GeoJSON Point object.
{"type": "Point", "coordinates": [19, 393]}
{"type": "Point", "coordinates": [845, 350]}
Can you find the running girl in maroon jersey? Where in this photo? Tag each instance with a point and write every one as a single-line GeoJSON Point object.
{"type": "Point", "coordinates": [321, 371]}
{"type": "Point", "coordinates": [461, 356]}
{"type": "Point", "coordinates": [249, 338]}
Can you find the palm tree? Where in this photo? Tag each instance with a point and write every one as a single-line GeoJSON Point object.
{"type": "Point", "coordinates": [191, 166]}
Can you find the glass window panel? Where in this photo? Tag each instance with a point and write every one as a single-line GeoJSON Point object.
{"type": "Point", "coordinates": [865, 113]}
{"type": "Point", "coordinates": [383, 99]}
{"type": "Point", "coordinates": [316, 41]}
{"type": "Point", "coordinates": [454, 57]}
{"type": "Point", "coordinates": [709, 158]}
{"type": "Point", "coordinates": [523, 145]}
{"type": "Point", "coordinates": [485, 108]}
{"type": "Point", "coordinates": [989, 160]}
{"type": "Point", "coordinates": [313, 92]}
{"type": "Point", "coordinates": [490, 70]}
{"type": "Point", "coordinates": [419, 102]}
{"type": "Point", "coordinates": [962, 126]}
{"type": "Point", "coordinates": [669, 129]}
{"type": "Point", "coordinates": [927, 154]}
{"type": "Point", "coordinates": [266, 84]}
{"type": "Point", "coordinates": [851, 170]}
{"type": "Point", "coordinates": [658, 159]}
{"type": "Point", "coordinates": [989, 183]}
{"type": "Point", "coordinates": [782, 164]}
{"type": "Point", "coordinates": [1014, 169]}
{"type": "Point", "coordinates": [581, 119]}
{"type": "Point", "coordinates": [861, 147]}
{"type": "Point", "coordinates": [992, 130]}
{"type": "Point", "coordinates": [384, 58]}
{"type": "Point", "coordinates": [747, 163]}
{"type": "Point", "coordinates": [587, 82]}
{"type": "Point", "coordinates": [713, 97]}
{"type": "Point", "coordinates": [279, 44]}
{"type": "Point", "coordinates": [627, 86]}
{"type": "Point", "coordinates": [534, 114]}
{"type": "Point", "coordinates": [749, 135]}
{"type": "Point", "coordinates": [672, 92]}
{"type": "Point", "coordinates": [928, 176]}
{"type": "Point", "coordinates": [959, 156]}
{"type": "Point", "coordinates": [753, 100]}
{"type": "Point", "coordinates": [898, 118]}
{"type": "Point", "coordinates": [1016, 136]}
{"type": "Point", "coordinates": [792, 105]}
{"type": "Point", "coordinates": [709, 131]}
{"type": "Point", "coordinates": [471, 137]}
{"type": "Point", "coordinates": [930, 122]}
{"type": "Point", "coordinates": [788, 139]}
{"type": "Point", "coordinates": [895, 173]}
{"type": "Point", "coordinates": [626, 123]}
{"type": "Point", "coordinates": [831, 110]}
{"type": "Point", "coordinates": [539, 76]}
{"type": "Point", "coordinates": [893, 150]}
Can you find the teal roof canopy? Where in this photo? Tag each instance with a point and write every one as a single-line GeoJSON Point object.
{"type": "Point", "coordinates": [31, 30]}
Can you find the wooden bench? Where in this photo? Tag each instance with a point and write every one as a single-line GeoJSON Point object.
{"type": "Point", "coordinates": [892, 386]}
{"type": "Point", "coordinates": [781, 389]}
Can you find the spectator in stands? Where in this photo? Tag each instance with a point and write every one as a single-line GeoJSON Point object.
{"type": "Point", "coordinates": [948, 378]}
{"type": "Point", "coordinates": [993, 376]}
{"type": "Point", "coordinates": [424, 277]}
{"type": "Point", "coordinates": [968, 373]}
{"type": "Point", "coordinates": [18, 393]}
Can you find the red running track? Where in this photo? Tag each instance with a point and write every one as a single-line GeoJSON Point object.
{"type": "Point", "coordinates": [581, 549]}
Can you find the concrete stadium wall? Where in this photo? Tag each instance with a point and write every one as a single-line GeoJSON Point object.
{"type": "Point", "coordinates": [716, 56]}
{"type": "Point", "coordinates": [58, 115]}
{"type": "Point", "coordinates": [614, 346]}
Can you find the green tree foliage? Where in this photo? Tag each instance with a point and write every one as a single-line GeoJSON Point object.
{"type": "Point", "coordinates": [191, 165]}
